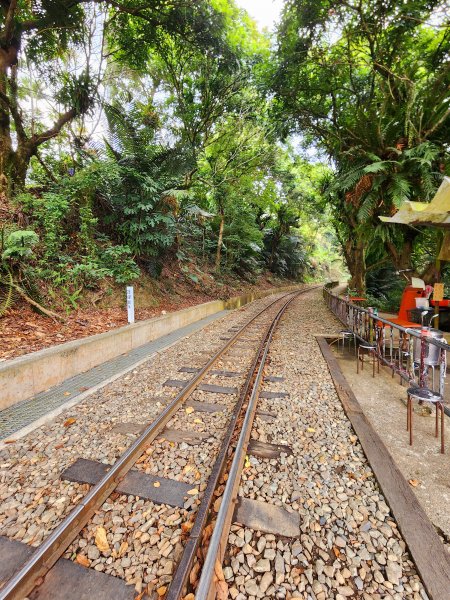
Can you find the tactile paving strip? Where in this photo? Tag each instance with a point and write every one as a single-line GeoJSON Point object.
{"type": "Point", "coordinates": [23, 413]}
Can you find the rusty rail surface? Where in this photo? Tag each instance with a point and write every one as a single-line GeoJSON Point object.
{"type": "Point", "coordinates": [394, 344]}
{"type": "Point", "coordinates": [47, 554]}
{"type": "Point", "coordinates": [218, 542]}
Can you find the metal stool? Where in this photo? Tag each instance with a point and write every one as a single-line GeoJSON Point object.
{"type": "Point", "coordinates": [402, 360]}
{"type": "Point", "coordinates": [370, 349]}
{"type": "Point", "coordinates": [346, 334]}
{"type": "Point", "coordinates": [424, 395]}
{"type": "Point", "coordinates": [429, 365]}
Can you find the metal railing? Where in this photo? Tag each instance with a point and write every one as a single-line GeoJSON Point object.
{"type": "Point", "coordinates": [406, 351]}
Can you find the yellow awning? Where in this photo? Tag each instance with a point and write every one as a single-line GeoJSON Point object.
{"type": "Point", "coordinates": [432, 214]}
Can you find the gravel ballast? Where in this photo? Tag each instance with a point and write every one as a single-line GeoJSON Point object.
{"type": "Point", "coordinates": [143, 540]}
{"type": "Point", "coordinates": [350, 546]}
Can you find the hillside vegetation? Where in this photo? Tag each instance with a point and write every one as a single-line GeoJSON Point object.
{"type": "Point", "coordinates": [149, 142]}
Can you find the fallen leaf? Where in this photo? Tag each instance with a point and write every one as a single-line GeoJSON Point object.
{"type": "Point", "coordinates": [157, 484]}
{"type": "Point", "coordinates": [311, 430]}
{"type": "Point", "coordinates": [9, 441]}
{"type": "Point", "coordinates": [187, 469]}
{"type": "Point", "coordinates": [198, 475]}
{"type": "Point", "coordinates": [221, 590]}
{"type": "Point", "coordinates": [83, 560]}
{"type": "Point", "coordinates": [69, 422]}
{"type": "Point", "coordinates": [193, 492]}
{"type": "Point", "coordinates": [161, 590]}
{"type": "Point", "coordinates": [413, 482]}
{"type": "Point", "coordinates": [59, 446]}
{"type": "Point", "coordinates": [123, 548]}
{"type": "Point", "coordinates": [67, 393]}
{"type": "Point", "coordinates": [218, 571]}
{"type": "Point", "coordinates": [189, 597]}
{"type": "Point", "coordinates": [189, 410]}
{"type": "Point", "coordinates": [100, 539]}
{"type": "Point", "coordinates": [193, 575]}
{"type": "Point", "coordinates": [198, 421]}
{"type": "Point", "coordinates": [336, 551]}
{"type": "Point", "coordinates": [187, 526]}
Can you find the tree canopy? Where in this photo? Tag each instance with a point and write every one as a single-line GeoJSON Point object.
{"type": "Point", "coordinates": [367, 83]}
{"type": "Point", "coordinates": [136, 134]}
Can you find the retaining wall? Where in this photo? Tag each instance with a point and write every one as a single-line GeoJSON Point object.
{"type": "Point", "coordinates": [27, 375]}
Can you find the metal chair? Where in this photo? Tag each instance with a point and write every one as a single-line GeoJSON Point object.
{"type": "Point", "coordinates": [370, 349]}
{"type": "Point", "coordinates": [424, 395]}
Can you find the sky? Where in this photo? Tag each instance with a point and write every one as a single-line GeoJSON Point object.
{"type": "Point", "coordinates": [265, 12]}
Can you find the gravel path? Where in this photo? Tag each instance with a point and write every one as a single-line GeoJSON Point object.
{"type": "Point", "coordinates": [350, 545]}
{"type": "Point", "coordinates": [143, 540]}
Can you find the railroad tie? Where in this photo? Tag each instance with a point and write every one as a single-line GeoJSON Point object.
{"type": "Point", "coordinates": [265, 517]}
{"type": "Point", "coordinates": [67, 580]}
{"type": "Point", "coordinates": [204, 387]}
{"type": "Point", "coordinates": [135, 483]}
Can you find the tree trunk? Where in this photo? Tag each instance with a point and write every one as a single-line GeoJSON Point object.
{"type": "Point", "coordinates": [356, 263]}
{"type": "Point", "coordinates": [220, 240]}
{"type": "Point", "coordinates": [401, 259]}
{"type": "Point", "coordinates": [6, 150]}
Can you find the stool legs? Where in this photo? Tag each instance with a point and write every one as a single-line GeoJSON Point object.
{"type": "Point", "coordinates": [360, 357]}
{"type": "Point", "coordinates": [409, 422]}
{"type": "Point", "coordinates": [440, 407]}
{"type": "Point", "coordinates": [409, 419]}
{"type": "Point", "coordinates": [436, 428]}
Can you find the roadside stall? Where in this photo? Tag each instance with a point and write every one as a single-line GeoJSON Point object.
{"type": "Point", "coordinates": [419, 305]}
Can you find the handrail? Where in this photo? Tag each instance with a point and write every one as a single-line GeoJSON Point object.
{"type": "Point", "coordinates": [371, 328]}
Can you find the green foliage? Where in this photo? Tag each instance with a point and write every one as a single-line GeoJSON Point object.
{"type": "Point", "coordinates": [151, 140]}
{"type": "Point", "coordinates": [19, 245]}
{"type": "Point", "coordinates": [367, 83]}
{"type": "Point", "coordinates": [117, 263]}
{"type": "Point", "coordinates": [384, 289]}
{"type": "Point", "coordinates": [7, 295]}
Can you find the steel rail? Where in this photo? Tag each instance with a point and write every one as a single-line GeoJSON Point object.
{"type": "Point", "coordinates": [219, 537]}
{"type": "Point", "coordinates": [46, 555]}
{"type": "Point", "coordinates": [180, 579]}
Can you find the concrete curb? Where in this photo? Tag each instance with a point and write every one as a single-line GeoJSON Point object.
{"type": "Point", "coordinates": [28, 375]}
{"type": "Point", "coordinates": [79, 397]}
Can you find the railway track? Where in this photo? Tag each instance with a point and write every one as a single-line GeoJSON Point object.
{"type": "Point", "coordinates": [256, 335]}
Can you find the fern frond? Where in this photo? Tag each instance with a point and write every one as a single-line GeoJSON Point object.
{"type": "Point", "coordinates": [7, 292]}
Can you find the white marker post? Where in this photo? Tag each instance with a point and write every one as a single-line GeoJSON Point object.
{"type": "Point", "coordinates": [130, 303]}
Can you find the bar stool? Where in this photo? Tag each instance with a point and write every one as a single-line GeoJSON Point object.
{"type": "Point", "coordinates": [424, 395]}
{"type": "Point", "coordinates": [370, 349]}
{"type": "Point", "coordinates": [402, 361]}
{"type": "Point", "coordinates": [429, 365]}
{"type": "Point", "coordinates": [346, 334]}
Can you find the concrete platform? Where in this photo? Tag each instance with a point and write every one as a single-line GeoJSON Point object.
{"type": "Point", "coordinates": [74, 389]}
